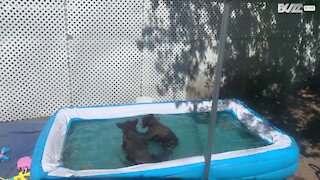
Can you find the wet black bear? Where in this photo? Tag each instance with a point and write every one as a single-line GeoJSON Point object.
{"type": "Point", "coordinates": [135, 144]}
{"type": "Point", "coordinates": [159, 132]}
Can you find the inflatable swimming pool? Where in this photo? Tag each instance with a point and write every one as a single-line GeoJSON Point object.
{"type": "Point", "coordinates": [277, 159]}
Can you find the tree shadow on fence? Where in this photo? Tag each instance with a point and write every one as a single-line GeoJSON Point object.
{"type": "Point", "coordinates": [267, 53]}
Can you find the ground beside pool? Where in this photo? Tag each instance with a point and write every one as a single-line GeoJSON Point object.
{"type": "Point", "coordinates": [298, 115]}
{"type": "Point", "coordinates": [20, 137]}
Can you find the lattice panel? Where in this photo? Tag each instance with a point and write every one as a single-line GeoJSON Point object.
{"type": "Point", "coordinates": [105, 60]}
{"type": "Point", "coordinates": [178, 40]}
{"type": "Point", "coordinates": [260, 20]}
{"type": "Point", "coordinates": [33, 64]}
{"type": "Point", "coordinates": [75, 52]}
{"type": "Point", "coordinates": [159, 55]}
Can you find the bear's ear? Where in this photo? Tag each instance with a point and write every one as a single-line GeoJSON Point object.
{"type": "Point", "coordinates": [148, 116]}
{"type": "Point", "coordinates": [135, 121]}
{"type": "Point", "coordinates": [120, 125]}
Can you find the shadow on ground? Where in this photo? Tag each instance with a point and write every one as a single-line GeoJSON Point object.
{"type": "Point", "coordinates": [296, 114]}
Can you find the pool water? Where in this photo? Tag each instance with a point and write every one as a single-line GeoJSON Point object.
{"type": "Point", "coordinates": [96, 144]}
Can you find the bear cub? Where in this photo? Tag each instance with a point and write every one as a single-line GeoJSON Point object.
{"type": "Point", "coordinates": [135, 144]}
{"type": "Point", "coordinates": [159, 132]}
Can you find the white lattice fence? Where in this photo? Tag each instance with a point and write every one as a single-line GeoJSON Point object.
{"type": "Point", "coordinates": [75, 52]}
{"type": "Point", "coordinates": [33, 62]}
{"type": "Point", "coordinates": [105, 61]}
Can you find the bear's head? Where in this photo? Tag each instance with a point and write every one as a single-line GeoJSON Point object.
{"type": "Point", "coordinates": [128, 125]}
{"type": "Point", "coordinates": [149, 120]}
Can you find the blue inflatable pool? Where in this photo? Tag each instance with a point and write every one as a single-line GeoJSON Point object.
{"type": "Point", "coordinates": [276, 160]}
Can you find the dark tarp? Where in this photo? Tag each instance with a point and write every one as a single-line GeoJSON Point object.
{"type": "Point", "coordinates": [20, 137]}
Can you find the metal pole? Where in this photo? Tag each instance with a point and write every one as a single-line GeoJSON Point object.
{"type": "Point", "coordinates": [216, 88]}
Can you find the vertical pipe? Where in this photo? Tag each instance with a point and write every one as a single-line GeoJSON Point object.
{"type": "Point", "coordinates": [216, 88]}
{"type": "Point", "coordinates": [68, 39]}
